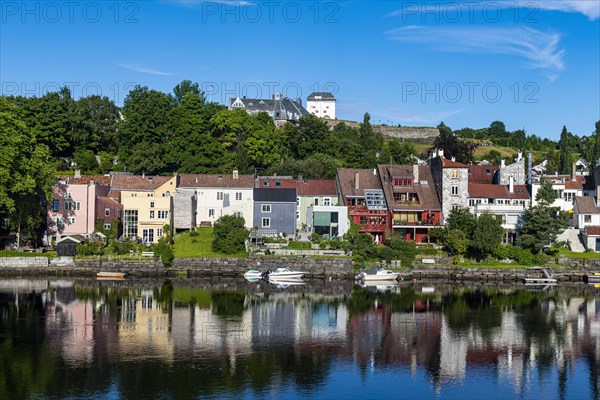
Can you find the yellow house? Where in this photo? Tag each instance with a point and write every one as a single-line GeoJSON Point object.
{"type": "Point", "coordinates": [147, 204]}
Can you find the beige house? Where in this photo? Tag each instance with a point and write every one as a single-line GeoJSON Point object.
{"type": "Point", "coordinates": [147, 205]}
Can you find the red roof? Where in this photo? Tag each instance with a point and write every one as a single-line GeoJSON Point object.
{"type": "Point", "coordinates": [110, 201]}
{"type": "Point", "coordinates": [593, 230]}
{"type": "Point", "coordinates": [452, 164]}
{"type": "Point", "coordinates": [86, 179]}
{"type": "Point", "coordinates": [490, 191]}
{"type": "Point", "coordinates": [311, 187]}
{"type": "Point", "coordinates": [482, 173]}
{"type": "Point", "coordinates": [138, 182]}
{"type": "Point", "coordinates": [346, 178]}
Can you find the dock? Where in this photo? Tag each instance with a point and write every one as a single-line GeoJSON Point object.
{"type": "Point", "coordinates": [546, 279]}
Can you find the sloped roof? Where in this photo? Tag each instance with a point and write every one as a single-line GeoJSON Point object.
{"type": "Point", "coordinates": [275, 195]}
{"type": "Point", "coordinates": [284, 104]}
{"type": "Point", "coordinates": [482, 173]}
{"type": "Point", "coordinates": [452, 164]}
{"type": "Point", "coordinates": [110, 201]}
{"type": "Point", "coordinates": [85, 179]}
{"type": "Point", "coordinates": [426, 193]}
{"type": "Point", "coordinates": [367, 180]}
{"type": "Point", "coordinates": [586, 205]}
{"type": "Point", "coordinates": [491, 191]}
{"type": "Point", "coordinates": [310, 187]}
{"type": "Point", "coordinates": [216, 181]}
{"type": "Point", "coordinates": [593, 230]}
{"type": "Point", "coordinates": [323, 95]}
{"type": "Point", "coordinates": [138, 182]}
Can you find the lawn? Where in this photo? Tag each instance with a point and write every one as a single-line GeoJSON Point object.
{"type": "Point", "coordinates": [572, 254]}
{"type": "Point", "coordinates": [14, 253]}
{"type": "Point", "coordinates": [295, 245]}
{"type": "Point", "coordinates": [187, 246]}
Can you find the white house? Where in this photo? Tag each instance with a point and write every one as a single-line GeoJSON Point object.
{"type": "Point", "coordinates": [321, 104]}
{"type": "Point", "coordinates": [202, 199]}
{"type": "Point", "coordinates": [585, 212]}
{"type": "Point", "coordinates": [567, 187]}
{"type": "Point", "coordinates": [331, 221]}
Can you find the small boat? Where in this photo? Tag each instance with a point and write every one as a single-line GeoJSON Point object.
{"type": "Point", "coordinates": [283, 273]}
{"type": "Point", "coordinates": [593, 278]}
{"type": "Point", "coordinates": [110, 275]}
{"type": "Point", "coordinates": [376, 274]}
{"type": "Point", "coordinates": [253, 274]}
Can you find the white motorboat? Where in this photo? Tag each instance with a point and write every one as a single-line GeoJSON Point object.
{"type": "Point", "coordinates": [283, 273]}
{"type": "Point", "coordinates": [253, 274]}
{"type": "Point", "coordinates": [375, 274]}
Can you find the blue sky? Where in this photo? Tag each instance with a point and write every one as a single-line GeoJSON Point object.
{"type": "Point", "coordinates": [536, 66]}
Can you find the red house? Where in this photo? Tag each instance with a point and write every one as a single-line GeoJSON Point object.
{"type": "Point", "coordinates": [412, 200]}
{"type": "Point", "coordinates": [360, 190]}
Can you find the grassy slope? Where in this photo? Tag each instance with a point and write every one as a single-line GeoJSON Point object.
{"type": "Point", "coordinates": [187, 246]}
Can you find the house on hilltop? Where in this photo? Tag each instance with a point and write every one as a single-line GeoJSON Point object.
{"type": "Point", "coordinates": [282, 109]}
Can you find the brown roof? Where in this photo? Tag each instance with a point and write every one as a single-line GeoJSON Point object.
{"type": "Point", "coordinates": [427, 194]}
{"type": "Point", "coordinates": [86, 179]}
{"type": "Point", "coordinates": [593, 230]}
{"type": "Point", "coordinates": [568, 181]}
{"type": "Point", "coordinates": [482, 173]}
{"type": "Point", "coordinates": [491, 191]}
{"type": "Point", "coordinates": [586, 205]}
{"type": "Point", "coordinates": [138, 182]}
{"type": "Point", "coordinates": [110, 201]}
{"type": "Point", "coordinates": [216, 181]}
{"type": "Point", "coordinates": [366, 180]}
{"type": "Point", "coordinates": [310, 187]}
{"type": "Point", "coordinates": [452, 164]}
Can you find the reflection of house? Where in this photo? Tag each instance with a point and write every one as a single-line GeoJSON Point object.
{"type": "Point", "coordinates": [360, 190]}
{"type": "Point", "coordinates": [202, 199]}
{"type": "Point", "coordinates": [275, 211]}
{"type": "Point", "coordinates": [72, 209]}
{"type": "Point", "coordinates": [412, 200]}
{"type": "Point", "coordinates": [330, 221]}
{"type": "Point", "coordinates": [280, 108]}
{"type": "Point", "coordinates": [310, 192]}
{"type": "Point", "coordinates": [146, 204]}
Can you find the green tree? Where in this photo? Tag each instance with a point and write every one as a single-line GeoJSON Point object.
{"type": "Point", "coordinates": [229, 235]}
{"type": "Point", "coordinates": [26, 173]}
{"type": "Point", "coordinates": [462, 219]}
{"type": "Point", "coordinates": [86, 161]}
{"type": "Point", "coordinates": [463, 151]}
{"type": "Point", "coordinates": [95, 121]}
{"type": "Point", "coordinates": [187, 87]}
{"type": "Point", "coordinates": [493, 156]}
{"type": "Point", "coordinates": [400, 152]}
{"type": "Point", "coordinates": [564, 160]}
{"type": "Point", "coordinates": [594, 155]}
{"type": "Point", "coordinates": [488, 233]}
{"type": "Point", "coordinates": [458, 241]}
{"type": "Point", "coordinates": [545, 195]}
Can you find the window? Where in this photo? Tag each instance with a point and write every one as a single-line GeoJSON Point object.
{"type": "Point", "coordinates": [71, 220]}
{"type": "Point", "coordinates": [56, 206]}
{"type": "Point", "coordinates": [159, 232]}
{"type": "Point", "coordinates": [163, 214]}
{"type": "Point", "coordinates": [454, 173]}
{"type": "Point", "coordinates": [130, 223]}
{"type": "Point", "coordinates": [454, 190]}
{"type": "Point", "coordinates": [151, 204]}
{"type": "Point", "coordinates": [166, 194]}
{"type": "Point", "coordinates": [266, 223]}
{"type": "Point", "coordinates": [587, 219]}
{"type": "Point", "coordinates": [211, 212]}
{"type": "Point", "coordinates": [72, 206]}
{"type": "Point", "coordinates": [106, 227]}
{"type": "Point", "coordinates": [148, 235]}
{"type": "Point", "coordinates": [238, 196]}
{"type": "Point", "coordinates": [277, 183]}
{"type": "Point", "coordinates": [266, 208]}
{"type": "Point", "coordinates": [326, 201]}
{"type": "Point", "coordinates": [266, 183]}
{"type": "Point", "coordinates": [151, 213]}
{"type": "Point", "coordinates": [107, 212]}
{"type": "Point", "coordinates": [219, 195]}
{"type": "Point", "coordinates": [237, 214]}
{"type": "Point", "coordinates": [316, 201]}
{"type": "Point", "coordinates": [67, 195]}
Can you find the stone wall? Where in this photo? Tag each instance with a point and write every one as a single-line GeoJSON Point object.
{"type": "Point", "coordinates": [23, 262]}
{"type": "Point", "coordinates": [490, 275]}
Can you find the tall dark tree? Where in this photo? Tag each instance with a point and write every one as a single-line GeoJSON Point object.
{"type": "Point", "coordinates": [462, 150]}
{"type": "Point", "coordinates": [564, 160]}
{"type": "Point", "coordinates": [186, 87]}
{"type": "Point", "coordinates": [95, 121]}
{"type": "Point", "coordinates": [595, 154]}
{"type": "Point", "coordinates": [488, 233]}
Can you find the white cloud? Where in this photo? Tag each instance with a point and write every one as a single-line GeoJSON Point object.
{"type": "Point", "coordinates": [144, 70]}
{"type": "Point", "coordinates": [589, 8]}
{"type": "Point", "coordinates": [540, 50]}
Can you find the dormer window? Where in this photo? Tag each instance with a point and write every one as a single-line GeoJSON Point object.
{"type": "Point", "coordinates": [402, 182]}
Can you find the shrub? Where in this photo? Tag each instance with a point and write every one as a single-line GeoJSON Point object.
{"type": "Point", "coordinates": [90, 247]}
{"type": "Point", "coordinates": [229, 235]}
{"type": "Point", "coordinates": [164, 251]}
{"type": "Point", "coordinates": [123, 246]}
{"type": "Point", "coordinates": [385, 253]}
{"type": "Point", "coordinates": [193, 233]}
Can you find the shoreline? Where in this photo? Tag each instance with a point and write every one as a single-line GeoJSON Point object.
{"type": "Point", "coordinates": [316, 268]}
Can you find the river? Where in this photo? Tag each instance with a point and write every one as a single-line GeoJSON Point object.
{"type": "Point", "coordinates": [219, 338]}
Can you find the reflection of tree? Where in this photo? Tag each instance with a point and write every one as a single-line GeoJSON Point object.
{"type": "Point", "coordinates": [228, 303]}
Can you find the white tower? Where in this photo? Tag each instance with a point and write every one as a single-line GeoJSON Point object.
{"type": "Point", "coordinates": [321, 104]}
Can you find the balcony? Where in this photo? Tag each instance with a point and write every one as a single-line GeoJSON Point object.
{"type": "Point", "coordinates": [427, 223]}
{"type": "Point", "coordinates": [372, 228]}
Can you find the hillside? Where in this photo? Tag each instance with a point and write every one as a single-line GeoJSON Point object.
{"type": "Point", "coordinates": [417, 134]}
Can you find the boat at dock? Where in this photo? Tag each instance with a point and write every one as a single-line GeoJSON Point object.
{"type": "Point", "coordinates": [283, 273]}
{"type": "Point", "coordinates": [103, 275]}
{"type": "Point", "coordinates": [595, 278]}
{"type": "Point", "coordinates": [253, 274]}
{"type": "Point", "coordinates": [376, 274]}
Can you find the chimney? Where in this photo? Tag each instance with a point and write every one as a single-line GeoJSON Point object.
{"type": "Point", "coordinates": [416, 172]}
{"type": "Point", "coordinates": [453, 158]}
{"type": "Point", "coordinates": [77, 174]}
{"type": "Point", "coordinates": [143, 175]}
{"type": "Point", "coordinates": [502, 163]}
{"type": "Point", "coordinates": [519, 156]}
{"type": "Point", "coordinates": [511, 184]}
{"type": "Point", "coordinates": [236, 175]}
{"type": "Point", "coordinates": [300, 178]}
{"type": "Point", "coordinates": [375, 171]}
{"type": "Point", "coordinates": [574, 172]}
{"type": "Point", "coordinates": [529, 167]}
{"type": "Point", "coordinates": [357, 181]}
{"type": "Point", "coordinates": [441, 152]}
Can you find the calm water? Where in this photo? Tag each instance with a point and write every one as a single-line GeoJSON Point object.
{"type": "Point", "coordinates": [233, 339]}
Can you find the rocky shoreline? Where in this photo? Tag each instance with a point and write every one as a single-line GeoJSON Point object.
{"type": "Point", "coordinates": [319, 268]}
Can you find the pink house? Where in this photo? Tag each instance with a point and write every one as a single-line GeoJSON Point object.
{"type": "Point", "coordinates": [72, 209]}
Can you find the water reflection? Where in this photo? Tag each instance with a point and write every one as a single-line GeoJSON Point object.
{"type": "Point", "coordinates": [189, 339]}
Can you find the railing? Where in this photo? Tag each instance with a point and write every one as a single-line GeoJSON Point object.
{"type": "Point", "coordinates": [416, 223]}
{"type": "Point", "coordinates": [372, 228]}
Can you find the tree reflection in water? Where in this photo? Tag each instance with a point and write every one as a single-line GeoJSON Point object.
{"type": "Point", "coordinates": [190, 339]}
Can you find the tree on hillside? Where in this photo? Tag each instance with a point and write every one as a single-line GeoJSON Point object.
{"type": "Point", "coordinates": [311, 135]}
{"type": "Point", "coordinates": [488, 233]}
{"type": "Point", "coordinates": [542, 223]}
{"type": "Point", "coordinates": [229, 234]}
{"type": "Point", "coordinates": [26, 173]}
{"type": "Point", "coordinates": [95, 122]}
{"type": "Point", "coordinates": [187, 87]}
{"type": "Point", "coordinates": [564, 160]}
{"type": "Point", "coordinates": [594, 154]}
{"type": "Point", "coordinates": [453, 147]}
